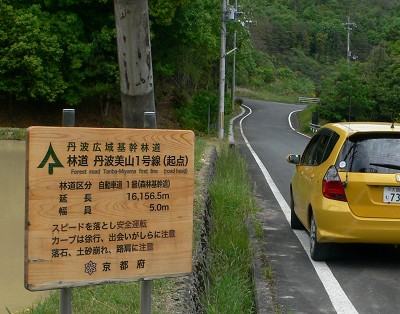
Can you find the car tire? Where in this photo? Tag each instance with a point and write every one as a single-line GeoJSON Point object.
{"type": "Point", "coordinates": [295, 222]}
{"type": "Point", "coordinates": [318, 251]}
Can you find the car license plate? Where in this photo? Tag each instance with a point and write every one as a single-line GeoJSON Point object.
{"type": "Point", "coordinates": [391, 194]}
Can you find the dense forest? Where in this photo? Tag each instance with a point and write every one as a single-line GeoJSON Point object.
{"type": "Point", "coordinates": [64, 52]}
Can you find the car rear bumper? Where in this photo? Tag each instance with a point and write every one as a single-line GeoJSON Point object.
{"type": "Point", "coordinates": [336, 223]}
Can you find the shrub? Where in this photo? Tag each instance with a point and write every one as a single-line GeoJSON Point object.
{"type": "Point", "coordinates": [200, 112]}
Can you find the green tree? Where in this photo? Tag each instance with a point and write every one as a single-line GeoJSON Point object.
{"type": "Point", "coordinates": [59, 50]}
{"type": "Point", "coordinates": [163, 11]}
{"type": "Point", "coordinates": [188, 48]}
{"type": "Point", "coordinates": [383, 71]}
{"type": "Point", "coordinates": [195, 115]}
{"type": "Point", "coordinates": [345, 96]}
{"type": "Point", "coordinates": [29, 56]}
{"type": "Point", "coordinates": [86, 33]}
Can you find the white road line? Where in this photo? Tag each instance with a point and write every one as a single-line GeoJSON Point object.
{"type": "Point", "coordinates": [338, 297]}
{"type": "Point", "coordinates": [291, 126]}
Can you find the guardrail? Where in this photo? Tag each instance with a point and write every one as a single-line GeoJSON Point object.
{"type": "Point", "coordinates": [314, 127]}
{"type": "Point", "coordinates": [309, 100]}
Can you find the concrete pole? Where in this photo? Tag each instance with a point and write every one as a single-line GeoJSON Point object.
{"type": "Point", "coordinates": [135, 62]}
{"type": "Point", "coordinates": [233, 89]}
{"type": "Point", "coordinates": [222, 73]}
{"type": "Point", "coordinates": [349, 26]}
{"type": "Point", "coordinates": [348, 39]}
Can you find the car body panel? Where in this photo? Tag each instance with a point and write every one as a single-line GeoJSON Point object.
{"type": "Point", "coordinates": [365, 195]}
{"type": "Point", "coordinates": [336, 223]}
{"type": "Point", "coordinates": [301, 184]}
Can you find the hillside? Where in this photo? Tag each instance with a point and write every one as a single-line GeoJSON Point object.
{"type": "Point", "coordinates": [309, 36]}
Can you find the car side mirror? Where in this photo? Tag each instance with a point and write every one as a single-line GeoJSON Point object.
{"type": "Point", "coordinates": [293, 159]}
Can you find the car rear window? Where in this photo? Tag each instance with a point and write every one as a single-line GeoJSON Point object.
{"type": "Point", "coordinates": [372, 153]}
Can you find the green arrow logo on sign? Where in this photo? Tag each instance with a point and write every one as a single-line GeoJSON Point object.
{"type": "Point", "coordinates": [52, 154]}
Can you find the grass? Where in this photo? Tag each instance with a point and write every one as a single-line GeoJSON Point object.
{"type": "Point", "coordinates": [230, 288]}
{"type": "Point", "coordinates": [109, 298]}
{"type": "Point", "coordinates": [305, 117]}
{"type": "Point", "coordinates": [201, 144]}
{"type": "Point", "coordinates": [12, 134]}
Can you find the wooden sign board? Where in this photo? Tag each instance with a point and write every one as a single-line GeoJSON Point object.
{"type": "Point", "coordinates": [107, 205]}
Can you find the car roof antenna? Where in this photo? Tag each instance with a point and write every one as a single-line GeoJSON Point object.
{"type": "Point", "coordinates": [348, 142]}
{"type": "Point", "coordinates": [349, 111]}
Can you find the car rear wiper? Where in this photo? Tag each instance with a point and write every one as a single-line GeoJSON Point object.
{"type": "Point", "coordinates": [389, 166]}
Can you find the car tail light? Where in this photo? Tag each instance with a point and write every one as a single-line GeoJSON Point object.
{"type": "Point", "coordinates": [332, 186]}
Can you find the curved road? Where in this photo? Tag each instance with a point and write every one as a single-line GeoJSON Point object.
{"type": "Point", "coordinates": [360, 279]}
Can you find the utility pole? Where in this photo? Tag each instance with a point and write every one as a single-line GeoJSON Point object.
{"type": "Point", "coordinates": [221, 112]}
{"type": "Point", "coordinates": [135, 62]}
{"type": "Point", "coordinates": [349, 26]}
{"type": "Point", "coordinates": [233, 89]}
{"type": "Point", "coordinates": [228, 14]}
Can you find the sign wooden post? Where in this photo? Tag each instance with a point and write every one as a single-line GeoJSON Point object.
{"type": "Point", "coordinates": [107, 205]}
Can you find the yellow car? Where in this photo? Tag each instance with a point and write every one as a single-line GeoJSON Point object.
{"type": "Point", "coordinates": [346, 186]}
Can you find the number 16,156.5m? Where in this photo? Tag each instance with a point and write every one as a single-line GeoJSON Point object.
{"type": "Point", "coordinates": [147, 196]}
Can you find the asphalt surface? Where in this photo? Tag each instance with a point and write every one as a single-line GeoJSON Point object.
{"type": "Point", "coordinates": [361, 279]}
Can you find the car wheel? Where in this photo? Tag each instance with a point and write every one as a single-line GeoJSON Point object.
{"type": "Point", "coordinates": [318, 251]}
{"type": "Point", "coordinates": [295, 222]}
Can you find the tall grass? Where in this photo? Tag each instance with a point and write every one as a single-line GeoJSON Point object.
{"type": "Point", "coordinates": [305, 118]}
{"type": "Point", "coordinates": [109, 298]}
{"type": "Point", "coordinates": [230, 287]}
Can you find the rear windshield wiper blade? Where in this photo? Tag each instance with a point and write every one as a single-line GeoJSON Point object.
{"type": "Point", "coordinates": [389, 166]}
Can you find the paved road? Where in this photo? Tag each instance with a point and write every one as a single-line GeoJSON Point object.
{"type": "Point", "coordinates": [361, 279]}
